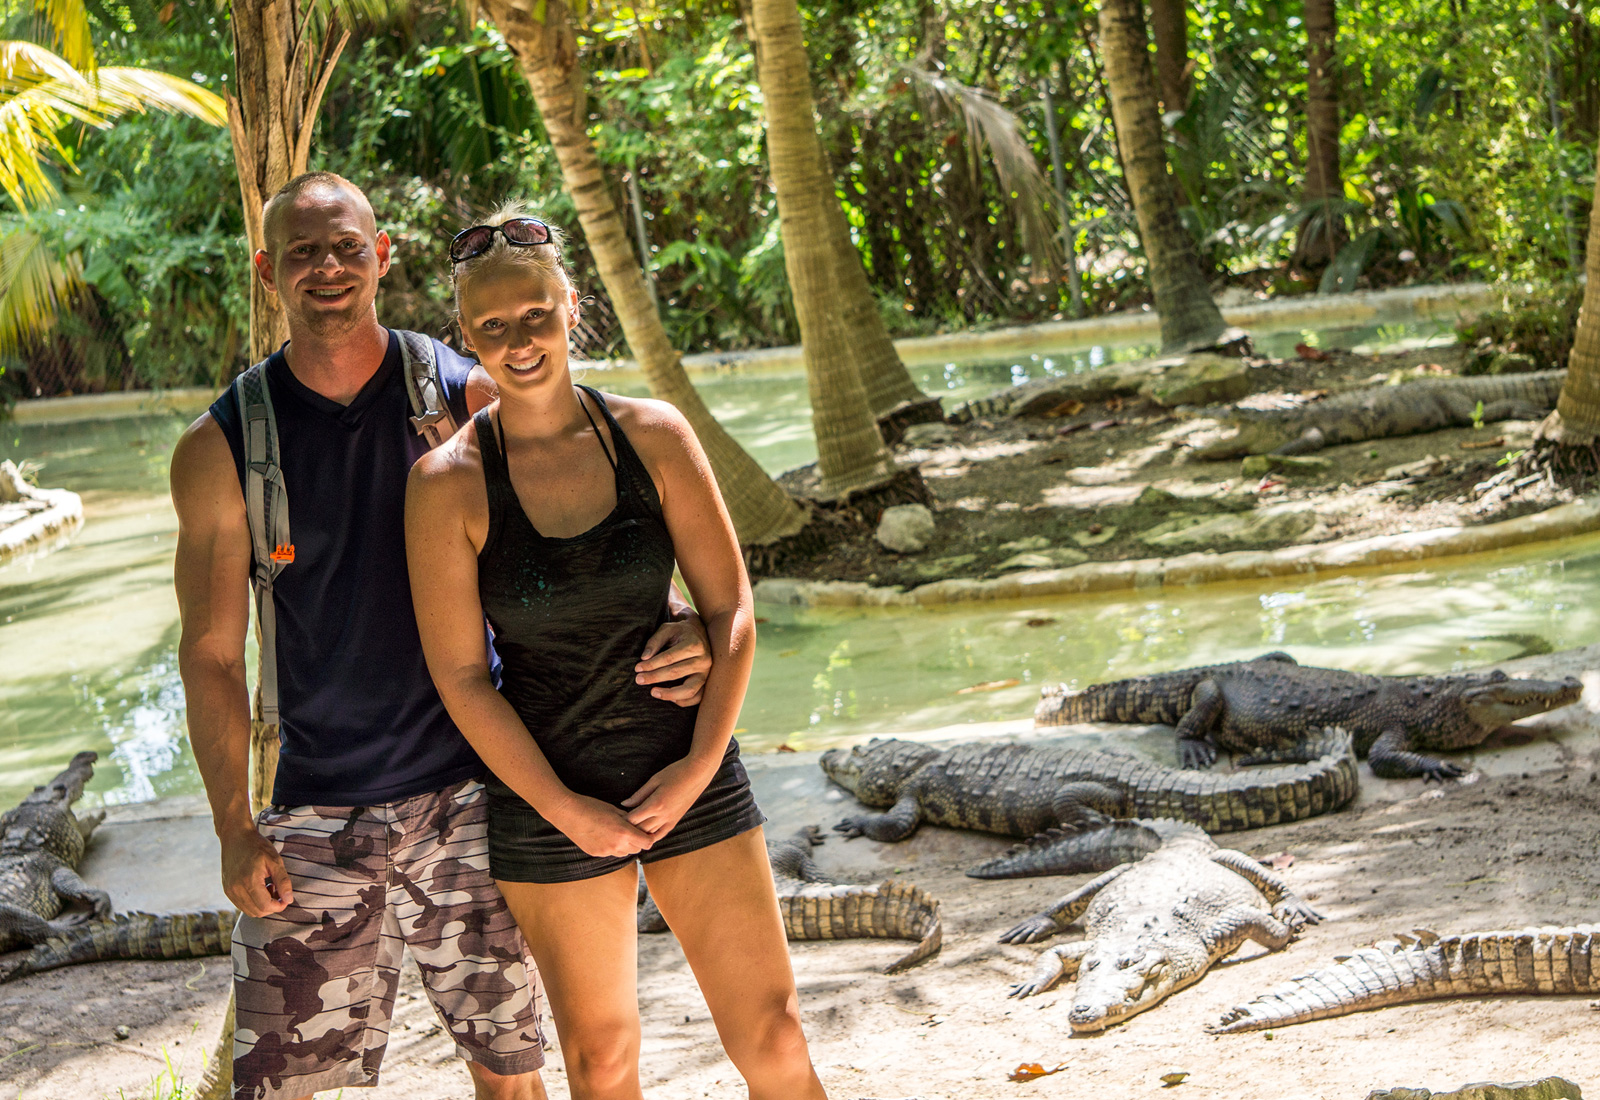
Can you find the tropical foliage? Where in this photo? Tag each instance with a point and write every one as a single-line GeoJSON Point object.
{"type": "Point", "coordinates": [1467, 151]}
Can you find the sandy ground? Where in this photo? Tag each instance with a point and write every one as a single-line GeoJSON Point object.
{"type": "Point", "coordinates": [1515, 845]}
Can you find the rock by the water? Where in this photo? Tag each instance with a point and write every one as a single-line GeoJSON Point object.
{"type": "Point", "coordinates": [906, 528]}
{"type": "Point", "coordinates": [30, 516]}
{"type": "Point", "coordinates": [932, 434]}
{"type": "Point", "coordinates": [1277, 523]}
{"type": "Point", "coordinates": [1199, 379]}
{"type": "Point", "coordinates": [1026, 545]}
{"type": "Point", "coordinates": [1094, 538]}
{"type": "Point", "coordinates": [1058, 558]}
{"type": "Point", "coordinates": [1548, 1088]}
{"type": "Point", "coordinates": [1258, 465]}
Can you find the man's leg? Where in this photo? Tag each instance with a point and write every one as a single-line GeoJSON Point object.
{"type": "Point", "coordinates": [474, 963]}
{"type": "Point", "coordinates": [311, 981]}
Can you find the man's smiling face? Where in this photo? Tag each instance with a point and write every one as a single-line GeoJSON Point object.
{"type": "Point", "coordinates": [324, 257]}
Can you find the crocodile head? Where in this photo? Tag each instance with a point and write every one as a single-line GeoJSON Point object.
{"type": "Point", "coordinates": [1116, 981]}
{"type": "Point", "coordinates": [875, 772]}
{"type": "Point", "coordinates": [44, 821]}
{"type": "Point", "coordinates": [1496, 699]}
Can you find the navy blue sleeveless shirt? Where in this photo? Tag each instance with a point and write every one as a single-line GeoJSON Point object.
{"type": "Point", "coordinates": [361, 722]}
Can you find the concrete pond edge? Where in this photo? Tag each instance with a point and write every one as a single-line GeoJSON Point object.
{"type": "Point", "coordinates": [1205, 567]}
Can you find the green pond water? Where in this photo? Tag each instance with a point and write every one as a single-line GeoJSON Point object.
{"type": "Point", "coordinates": [88, 632]}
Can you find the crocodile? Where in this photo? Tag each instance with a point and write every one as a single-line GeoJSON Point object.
{"type": "Point", "coordinates": [1425, 967]}
{"type": "Point", "coordinates": [1268, 705]}
{"type": "Point", "coordinates": [1154, 925]}
{"type": "Point", "coordinates": [1022, 790]}
{"type": "Point", "coordinates": [1379, 412]}
{"type": "Point", "coordinates": [815, 909]}
{"type": "Point", "coordinates": [181, 935]}
{"type": "Point", "coordinates": [41, 844]}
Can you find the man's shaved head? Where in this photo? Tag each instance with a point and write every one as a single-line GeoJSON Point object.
{"type": "Point", "coordinates": [309, 183]}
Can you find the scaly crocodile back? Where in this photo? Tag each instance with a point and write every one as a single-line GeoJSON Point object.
{"type": "Point", "coordinates": [183, 935]}
{"type": "Point", "coordinates": [1161, 697]}
{"type": "Point", "coordinates": [1424, 967]}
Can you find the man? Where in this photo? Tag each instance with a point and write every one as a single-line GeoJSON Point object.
{"type": "Point", "coordinates": [376, 836]}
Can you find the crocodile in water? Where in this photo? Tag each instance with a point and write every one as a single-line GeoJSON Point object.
{"type": "Point", "coordinates": [1269, 705]}
{"type": "Point", "coordinates": [1155, 925]}
{"type": "Point", "coordinates": [1023, 790]}
{"type": "Point", "coordinates": [1379, 412]}
{"type": "Point", "coordinates": [815, 909]}
{"type": "Point", "coordinates": [1425, 967]}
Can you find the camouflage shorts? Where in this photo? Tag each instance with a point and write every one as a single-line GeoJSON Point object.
{"type": "Point", "coordinates": [315, 984]}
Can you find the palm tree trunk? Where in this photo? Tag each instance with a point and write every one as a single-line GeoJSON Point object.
{"type": "Point", "coordinates": [1169, 26]}
{"type": "Point", "coordinates": [1576, 421]}
{"type": "Point", "coordinates": [547, 51]}
{"type": "Point", "coordinates": [281, 76]}
{"type": "Point", "coordinates": [1323, 183]}
{"type": "Point", "coordinates": [839, 325]}
{"type": "Point", "coordinates": [1189, 317]}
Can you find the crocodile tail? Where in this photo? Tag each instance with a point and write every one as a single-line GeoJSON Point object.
{"type": "Point", "coordinates": [885, 910]}
{"type": "Point", "coordinates": [182, 935]}
{"type": "Point", "coordinates": [1160, 698]}
{"type": "Point", "coordinates": [1534, 960]}
{"type": "Point", "coordinates": [1073, 850]}
{"type": "Point", "coordinates": [1256, 797]}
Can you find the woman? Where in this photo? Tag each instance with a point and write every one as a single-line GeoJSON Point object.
{"type": "Point", "coordinates": [559, 512]}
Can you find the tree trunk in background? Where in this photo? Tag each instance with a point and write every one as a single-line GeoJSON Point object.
{"type": "Point", "coordinates": [762, 512]}
{"type": "Point", "coordinates": [839, 324]}
{"type": "Point", "coordinates": [279, 91]}
{"type": "Point", "coordinates": [1323, 236]}
{"type": "Point", "coordinates": [1576, 421]}
{"type": "Point", "coordinates": [1169, 26]}
{"type": "Point", "coordinates": [1189, 317]}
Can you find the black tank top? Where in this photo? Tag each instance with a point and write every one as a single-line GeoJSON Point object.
{"type": "Point", "coordinates": [571, 617]}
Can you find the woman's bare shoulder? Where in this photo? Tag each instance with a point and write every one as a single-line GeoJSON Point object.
{"type": "Point", "coordinates": [651, 425]}
{"type": "Point", "coordinates": [452, 466]}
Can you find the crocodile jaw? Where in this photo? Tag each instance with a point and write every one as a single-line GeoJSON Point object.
{"type": "Point", "coordinates": [1502, 702]}
{"type": "Point", "coordinates": [843, 766]}
{"type": "Point", "coordinates": [1108, 992]}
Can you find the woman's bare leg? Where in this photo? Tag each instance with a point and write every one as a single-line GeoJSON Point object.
{"type": "Point", "coordinates": [720, 904]}
{"type": "Point", "coordinates": [585, 941]}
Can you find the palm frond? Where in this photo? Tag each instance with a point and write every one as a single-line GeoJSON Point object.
{"type": "Point", "coordinates": [69, 20]}
{"type": "Point", "coordinates": [991, 126]}
{"type": "Point", "coordinates": [39, 92]}
{"type": "Point", "coordinates": [37, 285]}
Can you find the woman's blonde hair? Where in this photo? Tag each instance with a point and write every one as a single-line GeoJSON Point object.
{"type": "Point", "coordinates": [542, 258]}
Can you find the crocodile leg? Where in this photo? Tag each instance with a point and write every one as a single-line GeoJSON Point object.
{"type": "Point", "coordinates": [1310, 440]}
{"type": "Point", "coordinates": [896, 823]}
{"type": "Point", "coordinates": [1084, 804]}
{"type": "Point", "coordinates": [89, 822]}
{"type": "Point", "coordinates": [1061, 961]}
{"type": "Point", "coordinates": [1195, 747]}
{"type": "Point", "coordinates": [1058, 916]}
{"type": "Point", "coordinates": [1238, 923]}
{"type": "Point", "coordinates": [1391, 758]}
{"type": "Point", "coordinates": [1286, 905]}
{"type": "Point", "coordinates": [72, 888]}
{"type": "Point", "coordinates": [26, 924]}
{"type": "Point", "coordinates": [1073, 851]}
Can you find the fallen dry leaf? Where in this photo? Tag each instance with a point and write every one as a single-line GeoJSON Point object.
{"type": "Point", "coordinates": [1113, 404]}
{"type": "Point", "coordinates": [1066, 408]}
{"type": "Point", "coordinates": [1278, 861]}
{"type": "Point", "coordinates": [785, 747]}
{"type": "Point", "coordinates": [1043, 621]}
{"type": "Point", "coordinates": [1469, 445]}
{"type": "Point", "coordinates": [1170, 1079]}
{"type": "Point", "coordinates": [1432, 368]}
{"type": "Point", "coordinates": [1032, 1071]}
{"type": "Point", "coordinates": [1315, 355]}
{"type": "Point", "coordinates": [988, 685]}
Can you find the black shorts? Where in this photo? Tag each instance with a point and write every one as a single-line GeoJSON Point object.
{"type": "Point", "coordinates": [524, 847]}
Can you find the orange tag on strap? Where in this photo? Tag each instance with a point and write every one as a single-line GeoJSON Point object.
{"type": "Point", "coordinates": [284, 553]}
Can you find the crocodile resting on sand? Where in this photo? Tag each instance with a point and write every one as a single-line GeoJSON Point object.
{"type": "Point", "coordinates": [1379, 412]}
{"type": "Point", "coordinates": [1424, 967]}
{"type": "Point", "coordinates": [1023, 790]}
{"type": "Point", "coordinates": [815, 909]}
{"type": "Point", "coordinates": [41, 843]}
{"type": "Point", "coordinates": [1268, 705]}
{"type": "Point", "coordinates": [1156, 925]}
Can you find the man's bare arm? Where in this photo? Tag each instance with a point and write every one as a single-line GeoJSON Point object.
{"type": "Point", "coordinates": [212, 577]}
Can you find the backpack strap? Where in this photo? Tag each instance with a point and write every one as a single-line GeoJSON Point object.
{"type": "Point", "coordinates": [430, 414]}
{"type": "Point", "coordinates": [266, 505]}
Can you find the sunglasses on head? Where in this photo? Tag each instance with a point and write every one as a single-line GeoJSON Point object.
{"type": "Point", "coordinates": [475, 240]}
